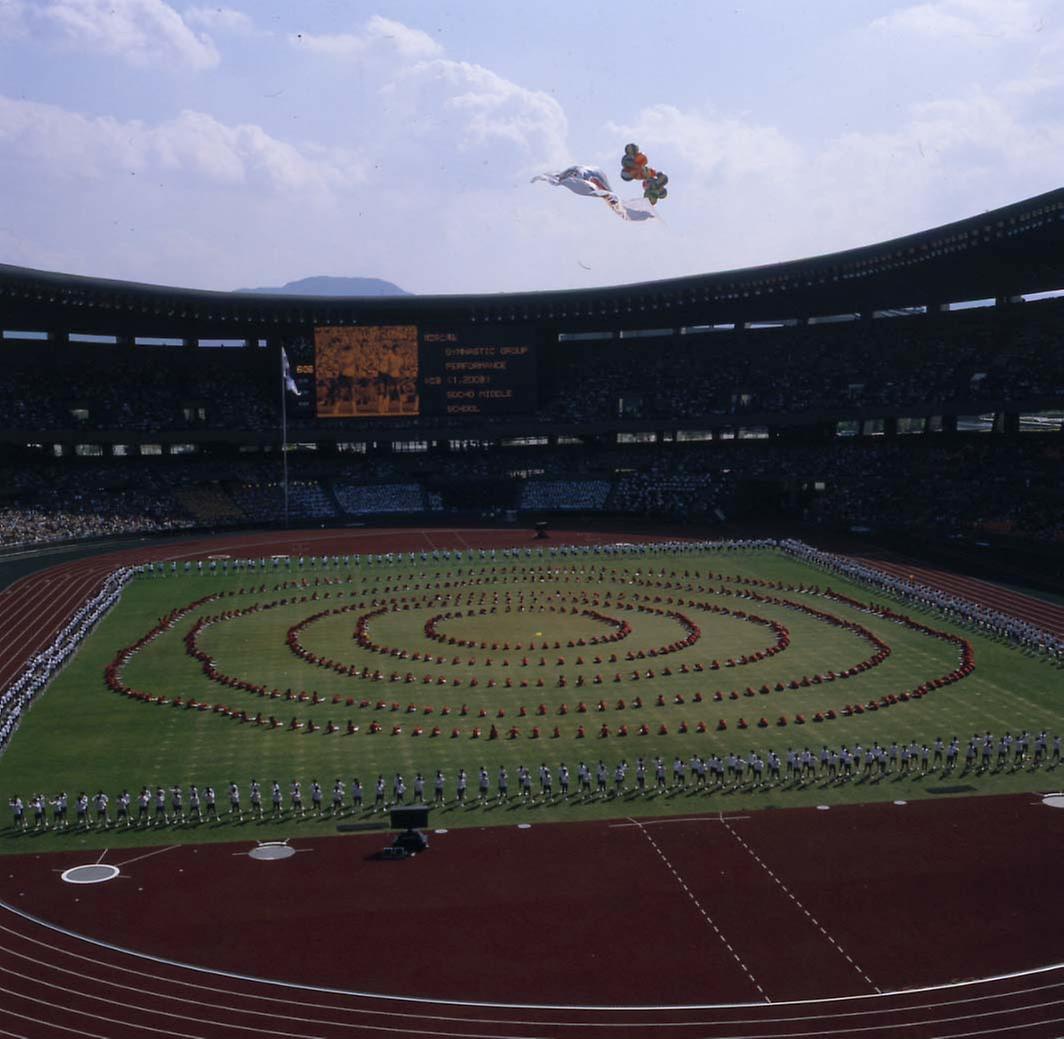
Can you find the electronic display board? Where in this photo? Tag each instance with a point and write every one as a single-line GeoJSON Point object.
{"type": "Point", "coordinates": [373, 371]}
{"type": "Point", "coordinates": [366, 371]}
{"type": "Point", "coordinates": [477, 371]}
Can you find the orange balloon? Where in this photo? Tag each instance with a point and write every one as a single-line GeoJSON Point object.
{"type": "Point", "coordinates": [640, 159]}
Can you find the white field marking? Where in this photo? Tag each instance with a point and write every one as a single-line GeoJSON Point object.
{"type": "Point", "coordinates": [148, 855]}
{"type": "Point", "coordinates": [686, 819]}
{"type": "Point", "coordinates": [41, 583]}
{"type": "Point", "coordinates": [812, 919]}
{"type": "Point", "coordinates": [102, 854]}
{"type": "Point", "coordinates": [8, 1012]}
{"type": "Point", "coordinates": [37, 629]}
{"type": "Point", "coordinates": [185, 1017]}
{"type": "Point", "coordinates": [94, 1017]}
{"type": "Point", "coordinates": [705, 916]}
{"type": "Point", "coordinates": [16, 602]}
{"type": "Point", "coordinates": [139, 988]}
{"type": "Point", "coordinates": [657, 1007]}
{"type": "Point", "coordinates": [995, 1031]}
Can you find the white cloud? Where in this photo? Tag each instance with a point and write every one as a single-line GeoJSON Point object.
{"type": "Point", "coordinates": [12, 19]}
{"type": "Point", "coordinates": [970, 19]}
{"type": "Point", "coordinates": [715, 147]}
{"type": "Point", "coordinates": [470, 106]}
{"type": "Point", "coordinates": [441, 107]}
{"type": "Point", "coordinates": [53, 142]}
{"type": "Point", "coordinates": [144, 33]}
{"type": "Point", "coordinates": [378, 35]}
{"type": "Point", "coordinates": [220, 19]}
{"type": "Point", "coordinates": [744, 193]}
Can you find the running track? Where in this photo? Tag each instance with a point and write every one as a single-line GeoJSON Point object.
{"type": "Point", "coordinates": [756, 956]}
{"type": "Point", "coordinates": [858, 921]}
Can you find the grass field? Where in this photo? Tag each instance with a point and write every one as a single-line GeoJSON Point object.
{"type": "Point", "coordinates": [472, 643]}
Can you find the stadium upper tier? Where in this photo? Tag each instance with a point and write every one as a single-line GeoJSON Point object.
{"type": "Point", "coordinates": [1000, 254]}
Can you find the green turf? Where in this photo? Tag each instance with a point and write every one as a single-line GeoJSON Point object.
{"type": "Point", "coordinates": [81, 736]}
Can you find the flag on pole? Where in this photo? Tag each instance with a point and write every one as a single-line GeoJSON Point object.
{"type": "Point", "coordinates": [286, 374]}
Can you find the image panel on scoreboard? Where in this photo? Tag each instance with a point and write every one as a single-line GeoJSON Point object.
{"type": "Point", "coordinates": [366, 371]}
{"type": "Point", "coordinates": [477, 371]}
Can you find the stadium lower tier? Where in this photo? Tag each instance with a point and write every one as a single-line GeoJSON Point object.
{"type": "Point", "coordinates": [969, 485]}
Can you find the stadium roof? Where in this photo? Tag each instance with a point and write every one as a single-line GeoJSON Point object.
{"type": "Point", "coordinates": [1006, 252]}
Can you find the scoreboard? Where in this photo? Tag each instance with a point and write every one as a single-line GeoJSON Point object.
{"type": "Point", "coordinates": [482, 371]}
{"type": "Point", "coordinates": [365, 371]}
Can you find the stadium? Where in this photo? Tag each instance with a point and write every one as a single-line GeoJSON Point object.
{"type": "Point", "coordinates": [531, 523]}
{"type": "Point", "coordinates": [815, 504]}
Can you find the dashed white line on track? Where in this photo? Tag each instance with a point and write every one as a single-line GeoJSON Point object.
{"type": "Point", "coordinates": [698, 905]}
{"type": "Point", "coordinates": [790, 894]}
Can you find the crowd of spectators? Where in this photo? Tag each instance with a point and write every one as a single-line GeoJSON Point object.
{"type": "Point", "coordinates": [679, 491]}
{"type": "Point", "coordinates": [139, 389]}
{"type": "Point", "coordinates": [971, 358]}
{"type": "Point", "coordinates": [932, 485]}
{"type": "Point", "coordinates": [966, 359]}
{"type": "Point", "coordinates": [565, 495]}
{"type": "Point", "coordinates": [377, 499]}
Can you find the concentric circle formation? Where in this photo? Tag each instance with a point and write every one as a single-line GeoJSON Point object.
{"type": "Point", "coordinates": [648, 649]}
{"type": "Point", "coordinates": [94, 873]}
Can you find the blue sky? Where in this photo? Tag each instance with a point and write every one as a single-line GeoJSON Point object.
{"type": "Point", "coordinates": [251, 143]}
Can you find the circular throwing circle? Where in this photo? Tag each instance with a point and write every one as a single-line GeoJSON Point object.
{"type": "Point", "coordinates": [1053, 800]}
{"type": "Point", "coordinates": [271, 852]}
{"type": "Point", "coordinates": [95, 873]}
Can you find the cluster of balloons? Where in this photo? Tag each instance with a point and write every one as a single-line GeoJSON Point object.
{"type": "Point", "coordinates": [634, 167]}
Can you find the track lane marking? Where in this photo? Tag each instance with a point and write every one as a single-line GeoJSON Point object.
{"type": "Point", "coordinates": [698, 905]}
{"type": "Point", "coordinates": [790, 894]}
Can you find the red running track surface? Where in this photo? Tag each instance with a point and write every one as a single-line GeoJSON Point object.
{"type": "Point", "coordinates": [806, 922]}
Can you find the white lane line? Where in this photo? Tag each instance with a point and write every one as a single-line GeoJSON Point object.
{"type": "Point", "coordinates": [790, 894]}
{"type": "Point", "coordinates": [855, 998]}
{"type": "Point", "coordinates": [43, 965]}
{"type": "Point", "coordinates": [148, 855]}
{"type": "Point", "coordinates": [709, 920]}
{"type": "Point", "coordinates": [185, 1017]}
{"type": "Point", "coordinates": [686, 819]}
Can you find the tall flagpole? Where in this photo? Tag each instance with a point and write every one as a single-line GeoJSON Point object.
{"type": "Point", "coordinates": [284, 434]}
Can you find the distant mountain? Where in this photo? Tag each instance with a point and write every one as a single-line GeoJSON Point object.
{"type": "Point", "coordinates": [323, 285]}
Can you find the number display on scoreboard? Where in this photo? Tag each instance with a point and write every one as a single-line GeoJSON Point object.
{"type": "Point", "coordinates": [477, 371]}
{"type": "Point", "coordinates": [403, 370]}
